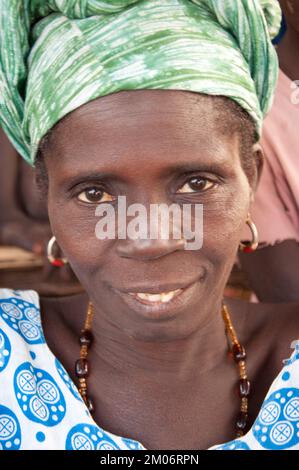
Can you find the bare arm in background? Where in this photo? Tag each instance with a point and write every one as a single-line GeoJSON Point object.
{"type": "Point", "coordinates": [273, 271]}
{"type": "Point", "coordinates": [16, 227]}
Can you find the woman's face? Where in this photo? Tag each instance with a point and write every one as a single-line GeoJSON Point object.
{"type": "Point", "coordinates": [152, 146]}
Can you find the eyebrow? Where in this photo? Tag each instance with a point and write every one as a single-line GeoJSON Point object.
{"type": "Point", "coordinates": [188, 167]}
{"type": "Point", "coordinates": [90, 177]}
{"type": "Point", "coordinates": [199, 166]}
{"type": "Point", "coordinates": [213, 167]}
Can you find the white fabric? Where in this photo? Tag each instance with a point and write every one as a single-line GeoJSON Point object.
{"type": "Point", "coordinates": [40, 407]}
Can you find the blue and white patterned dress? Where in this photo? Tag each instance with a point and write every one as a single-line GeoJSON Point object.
{"type": "Point", "coordinates": [40, 407]}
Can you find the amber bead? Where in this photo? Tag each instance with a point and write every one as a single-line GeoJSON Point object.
{"type": "Point", "coordinates": [238, 352]}
{"type": "Point", "coordinates": [244, 404]}
{"type": "Point", "coordinates": [81, 368]}
{"type": "Point", "coordinates": [86, 338]}
{"type": "Point", "coordinates": [244, 388]}
{"type": "Point", "coordinates": [241, 421]}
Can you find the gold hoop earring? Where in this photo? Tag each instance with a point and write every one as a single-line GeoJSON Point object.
{"type": "Point", "coordinates": [58, 262]}
{"type": "Point", "coordinates": [249, 247]}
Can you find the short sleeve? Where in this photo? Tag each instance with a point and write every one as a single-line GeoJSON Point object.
{"type": "Point", "coordinates": [277, 423]}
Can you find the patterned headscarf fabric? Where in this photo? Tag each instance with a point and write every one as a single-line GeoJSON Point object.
{"type": "Point", "coordinates": [56, 55]}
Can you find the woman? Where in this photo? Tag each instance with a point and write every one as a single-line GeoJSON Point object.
{"type": "Point", "coordinates": [117, 95]}
{"type": "Point", "coordinates": [276, 207]}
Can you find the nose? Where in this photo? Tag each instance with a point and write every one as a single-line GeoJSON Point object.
{"type": "Point", "coordinates": [146, 249]}
{"type": "Point", "coordinates": [161, 232]}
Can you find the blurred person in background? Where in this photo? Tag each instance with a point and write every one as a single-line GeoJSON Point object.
{"type": "Point", "coordinates": [23, 213]}
{"type": "Point", "coordinates": [273, 269]}
{"type": "Point", "coordinates": [24, 222]}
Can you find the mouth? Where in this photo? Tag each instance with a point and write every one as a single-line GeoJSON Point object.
{"type": "Point", "coordinates": [162, 302]}
{"type": "Point", "coordinates": [156, 298]}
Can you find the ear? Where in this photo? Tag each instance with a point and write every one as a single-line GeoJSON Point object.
{"type": "Point", "coordinates": [258, 158]}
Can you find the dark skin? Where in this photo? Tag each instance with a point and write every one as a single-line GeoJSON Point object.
{"type": "Point", "coordinates": [162, 379]}
{"type": "Point", "coordinates": [287, 49]}
{"type": "Point", "coordinates": [22, 211]}
{"type": "Point", "coordinates": [281, 282]}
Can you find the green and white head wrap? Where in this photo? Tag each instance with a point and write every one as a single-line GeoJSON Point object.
{"type": "Point", "coordinates": [56, 55]}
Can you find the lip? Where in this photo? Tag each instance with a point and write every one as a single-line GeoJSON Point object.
{"type": "Point", "coordinates": [155, 289]}
{"type": "Point", "coordinates": [158, 310]}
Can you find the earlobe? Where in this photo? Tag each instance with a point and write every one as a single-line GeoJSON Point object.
{"type": "Point", "coordinates": [258, 156]}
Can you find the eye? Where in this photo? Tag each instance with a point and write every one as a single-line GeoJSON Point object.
{"type": "Point", "coordinates": [196, 184]}
{"type": "Point", "coordinates": [94, 195]}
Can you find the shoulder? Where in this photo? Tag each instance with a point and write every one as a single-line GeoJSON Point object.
{"type": "Point", "coordinates": [268, 329]}
{"type": "Point", "coordinates": [67, 310]}
{"type": "Point", "coordinates": [260, 315]}
{"type": "Point", "coordinates": [30, 296]}
{"type": "Point", "coordinates": [18, 305]}
{"type": "Point", "coordinates": [20, 323]}
{"type": "Point", "coordinates": [279, 321]}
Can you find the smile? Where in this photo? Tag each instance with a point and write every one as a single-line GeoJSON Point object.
{"type": "Point", "coordinates": [162, 297]}
{"type": "Point", "coordinates": [160, 302]}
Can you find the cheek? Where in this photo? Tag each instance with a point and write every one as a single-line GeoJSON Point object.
{"type": "Point", "coordinates": [223, 223]}
{"type": "Point", "coordinates": [75, 234]}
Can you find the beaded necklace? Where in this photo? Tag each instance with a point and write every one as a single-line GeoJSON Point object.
{"type": "Point", "coordinates": [236, 350]}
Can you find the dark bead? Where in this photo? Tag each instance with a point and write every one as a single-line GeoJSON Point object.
{"type": "Point", "coordinates": [241, 421]}
{"type": "Point", "coordinates": [90, 405]}
{"type": "Point", "coordinates": [86, 338]}
{"type": "Point", "coordinates": [81, 368]}
{"type": "Point", "coordinates": [239, 352]}
{"type": "Point", "coordinates": [244, 388]}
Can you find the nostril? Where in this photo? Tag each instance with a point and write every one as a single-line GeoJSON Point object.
{"type": "Point", "coordinates": [148, 249]}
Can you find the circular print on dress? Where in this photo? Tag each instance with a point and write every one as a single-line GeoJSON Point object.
{"type": "Point", "coordinates": [131, 444]}
{"type": "Point", "coordinates": [24, 318]}
{"type": "Point", "coordinates": [5, 350]}
{"type": "Point", "coordinates": [277, 425]}
{"type": "Point", "coordinates": [234, 445]}
{"type": "Point", "coordinates": [89, 437]}
{"type": "Point", "coordinates": [38, 395]}
{"type": "Point", "coordinates": [10, 431]}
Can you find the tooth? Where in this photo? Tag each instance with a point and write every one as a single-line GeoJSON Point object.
{"type": "Point", "coordinates": [150, 297]}
{"type": "Point", "coordinates": [163, 297]}
{"type": "Point", "coordinates": [167, 297]}
{"type": "Point", "coordinates": [154, 297]}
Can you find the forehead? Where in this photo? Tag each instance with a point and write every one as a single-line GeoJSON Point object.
{"type": "Point", "coordinates": [158, 124]}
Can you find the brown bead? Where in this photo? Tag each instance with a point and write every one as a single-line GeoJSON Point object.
{"type": "Point", "coordinates": [81, 368]}
{"type": "Point", "coordinates": [244, 388]}
{"type": "Point", "coordinates": [238, 352]}
{"type": "Point", "coordinates": [242, 421]}
{"type": "Point", "coordinates": [90, 405]}
{"type": "Point", "coordinates": [86, 338]}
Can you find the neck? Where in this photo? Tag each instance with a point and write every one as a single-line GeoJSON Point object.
{"type": "Point", "coordinates": [288, 55]}
{"type": "Point", "coordinates": [201, 351]}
